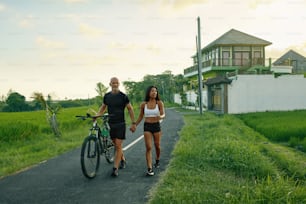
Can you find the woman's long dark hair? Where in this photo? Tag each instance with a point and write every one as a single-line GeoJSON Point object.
{"type": "Point", "coordinates": [147, 98]}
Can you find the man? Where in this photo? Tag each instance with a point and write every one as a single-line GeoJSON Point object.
{"type": "Point", "coordinates": [115, 102]}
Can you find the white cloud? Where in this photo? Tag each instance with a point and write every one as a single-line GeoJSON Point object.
{"type": "Point", "coordinates": [90, 31]}
{"type": "Point", "coordinates": [25, 23]}
{"type": "Point", "coordinates": [45, 43]}
{"type": "Point", "coordinates": [75, 1]}
{"type": "Point", "coordinates": [2, 7]}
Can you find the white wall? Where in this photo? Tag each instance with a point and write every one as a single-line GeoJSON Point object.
{"type": "Point", "coordinates": [191, 97]}
{"type": "Point", "coordinates": [256, 93]}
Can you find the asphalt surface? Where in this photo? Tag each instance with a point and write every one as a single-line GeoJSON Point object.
{"type": "Point", "coordinates": [60, 179]}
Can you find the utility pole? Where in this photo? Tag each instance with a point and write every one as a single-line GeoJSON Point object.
{"type": "Point", "coordinates": [199, 55]}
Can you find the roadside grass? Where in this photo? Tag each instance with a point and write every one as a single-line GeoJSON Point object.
{"type": "Point", "coordinates": [26, 139]}
{"type": "Point", "coordinates": [219, 159]}
{"type": "Point", "coordinates": [285, 126]}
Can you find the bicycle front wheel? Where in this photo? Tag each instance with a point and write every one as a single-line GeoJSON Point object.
{"type": "Point", "coordinates": [90, 157]}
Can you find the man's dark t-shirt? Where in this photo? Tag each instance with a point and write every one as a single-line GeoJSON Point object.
{"type": "Point", "coordinates": [116, 103]}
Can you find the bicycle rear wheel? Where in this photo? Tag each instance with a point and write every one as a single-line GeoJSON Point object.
{"type": "Point", "coordinates": [109, 151]}
{"type": "Point", "coordinates": [90, 157]}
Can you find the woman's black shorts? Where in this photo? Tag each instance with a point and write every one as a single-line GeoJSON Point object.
{"type": "Point", "coordinates": [151, 127]}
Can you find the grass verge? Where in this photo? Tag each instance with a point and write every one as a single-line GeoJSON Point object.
{"type": "Point", "coordinates": [219, 159]}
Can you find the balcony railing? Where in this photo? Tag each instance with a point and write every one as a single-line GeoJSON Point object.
{"type": "Point", "coordinates": [227, 63]}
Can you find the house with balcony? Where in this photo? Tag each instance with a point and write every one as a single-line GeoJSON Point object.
{"type": "Point", "coordinates": [233, 51]}
{"type": "Point", "coordinates": [238, 78]}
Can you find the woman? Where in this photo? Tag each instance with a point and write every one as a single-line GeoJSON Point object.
{"type": "Point", "coordinates": [152, 109]}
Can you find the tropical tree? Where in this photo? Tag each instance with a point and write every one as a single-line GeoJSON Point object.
{"type": "Point", "coordinates": [51, 111]}
{"type": "Point", "coordinates": [15, 102]}
{"type": "Point", "coordinates": [167, 85]}
{"type": "Point", "coordinates": [101, 90]}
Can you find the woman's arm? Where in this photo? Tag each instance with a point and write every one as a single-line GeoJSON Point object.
{"type": "Point", "coordinates": [161, 109]}
{"type": "Point", "coordinates": [141, 113]}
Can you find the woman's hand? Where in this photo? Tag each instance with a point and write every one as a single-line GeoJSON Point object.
{"type": "Point", "coordinates": [133, 128]}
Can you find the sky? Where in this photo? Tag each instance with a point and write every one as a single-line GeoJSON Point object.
{"type": "Point", "coordinates": [65, 47]}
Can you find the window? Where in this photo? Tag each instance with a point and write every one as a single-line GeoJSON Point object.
{"type": "Point", "coordinates": [226, 58]}
{"type": "Point", "coordinates": [257, 59]}
{"type": "Point", "coordinates": [241, 58]}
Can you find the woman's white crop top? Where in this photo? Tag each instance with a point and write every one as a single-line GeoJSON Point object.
{"type": "Point", "coordinates": [151, 112]}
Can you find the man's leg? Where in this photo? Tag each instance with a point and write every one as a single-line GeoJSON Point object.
{"type": "Point", "coordinates": [118, 155]}
{"type": "Point", "coordinates": [119, 152]}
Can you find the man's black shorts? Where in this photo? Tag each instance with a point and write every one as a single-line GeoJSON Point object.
{"type": "Point", "coordinates": [151, 127]}
{"type": "Point", "coordinates": [117, 130]}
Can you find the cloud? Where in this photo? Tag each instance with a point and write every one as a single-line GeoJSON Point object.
{"type": "Point", "coordinates": [26, 23]}
{"type": "Point", "coordinates": [75, 1]}
{"type": "Point", "coordinates": [122, 46]}
{"type": "Point", "coordinates": [90, 30]}
{"type": "Point", "coordinates": [45, 43]}
{"type": "Point", "coordinates": [255, 3]}
{"type": "Point", "coordinates": [172, 4]}
{"type": "Point", "coordinates": [2, 7]}
{"type": "Point", "coordinates": [154, 49]}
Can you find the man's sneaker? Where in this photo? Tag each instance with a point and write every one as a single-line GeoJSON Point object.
{"type": "Point", "coordinates": [156, 165]}
{"type": "Point", "coordinates": [122, 164]}
{"type": "Point", "coordinates": [115, 172]}
{"type": "Point", "coordinates": [150, 172]}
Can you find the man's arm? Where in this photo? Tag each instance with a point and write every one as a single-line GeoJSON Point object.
{"type": "Point", "coordinates": [131, 112]}
{"type": "Point", "coordinates": [102, 109]}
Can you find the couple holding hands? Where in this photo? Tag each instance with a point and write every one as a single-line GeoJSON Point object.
{"type": "Point", "coordinates": [151, 109]}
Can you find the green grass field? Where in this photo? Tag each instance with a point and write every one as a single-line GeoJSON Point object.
{"type": "Point", "coordinates": [218, 159]}
{"type": "Point", "coordinates": [286, 127]}
{"type": "Point", "coordinates": [26, 138]}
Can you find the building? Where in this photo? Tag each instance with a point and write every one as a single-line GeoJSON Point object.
{"type": "Point", "coordinates": [238, 77]}
{"type": "Point", "coordinates": [294, 59]}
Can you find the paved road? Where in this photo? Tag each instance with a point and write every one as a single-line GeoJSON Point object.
{"type": "Point", "coordinates": [60, 180]}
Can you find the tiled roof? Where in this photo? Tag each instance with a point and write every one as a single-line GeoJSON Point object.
{"type": "Point", "coordinates": [217, 80]}
{"type": "Point", "coordinates": [235, 37]}
{"type": "Point", "coordinates": [290, 54]}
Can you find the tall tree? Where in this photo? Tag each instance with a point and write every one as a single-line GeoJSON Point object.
{"type": "Point", "coordinates": [16, 103]}
{"type": "Point", "coordinates": [51, 112]}
{"type": "Point", "coordinates": [101, 90]}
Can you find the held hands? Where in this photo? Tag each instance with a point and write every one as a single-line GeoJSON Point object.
{"type": "Point", "coordinates": [133, 128]}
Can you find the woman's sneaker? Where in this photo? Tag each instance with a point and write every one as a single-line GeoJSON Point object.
{"type": "Point", "coordinates": [115, 172]}
{"type": "Point", "coordinates": [156, 165]}
{"type": "Point", "coordinates": [122, 164]}
{"type": "Point", "coordinates": [150, 172]}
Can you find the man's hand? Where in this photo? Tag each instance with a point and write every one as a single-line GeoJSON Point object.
{"type": "Point", "coordinates": [133, 128]}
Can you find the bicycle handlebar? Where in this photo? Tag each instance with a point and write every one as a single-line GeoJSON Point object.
{"type": "Point", "coordinates": [104, 116]}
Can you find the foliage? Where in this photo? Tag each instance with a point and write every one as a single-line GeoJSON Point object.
{"type": "Point", "coordinates": [30, 140]}
{"type": "Point", "coordinates": [51, 111]}
{"type": "Point", "coordinates": [219, 159]}
{"type": "Point", "coordinates": [285, 126]}
{"type": "Point", "coordinates": [166, 83]}
{"type": "Point", "coordinates": [15, 103]}
{"type": "Point", "coordinates": [101, 90]}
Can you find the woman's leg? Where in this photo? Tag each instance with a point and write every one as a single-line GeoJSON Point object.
{"type": "Point", "coordinates": [148, 143]}
{"type": "Point", "coordinates": [157, 137]}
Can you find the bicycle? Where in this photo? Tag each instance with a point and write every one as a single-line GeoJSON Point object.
{"type": "Point", "coordinates": [97, 142]}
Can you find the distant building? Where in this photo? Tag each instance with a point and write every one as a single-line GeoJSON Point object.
{"type": "Point", "coordinates": [233, 51]}
{"type": "Point", "coordinates": [238, 77]}
{"type": "Point", "coordinates": [294, 59]}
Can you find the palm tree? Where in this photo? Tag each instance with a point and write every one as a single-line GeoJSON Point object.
{"type": "Point", "coordinates": [101, 90]}
{"type": "Point", "coordinates": [50, 112]}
